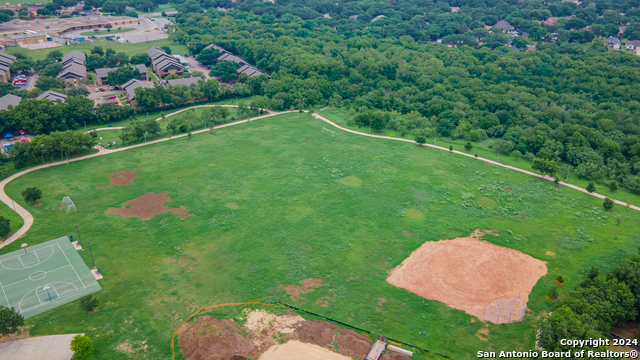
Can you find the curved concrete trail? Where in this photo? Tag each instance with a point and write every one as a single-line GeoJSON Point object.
{"type": "Point", "coordinates": [28, 218]}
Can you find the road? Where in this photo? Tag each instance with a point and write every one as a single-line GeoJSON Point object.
{"type": "Point", "coordinates": [195, 64]}
{"type": "Point", "coordinates": [28, 218]}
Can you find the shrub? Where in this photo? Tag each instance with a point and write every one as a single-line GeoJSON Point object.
{"type": "Point", "coordinates": [88, 303]}
{"type": "Point", "coordinates": [560, 279]}
{"type": "Point", "coordinates": [613, 185]}
{"type": "Point", "coordinates": [450, 147]}
{"type": "Point", "coordinates": [5, 226]}
{"type": "Point", "coordinates": [553, 294]}
{"type": "Point", "coordinates": [82, 346]}
{"type": "Point", "coordinates": [468, 146]}
{"type": "Point", "coordinates": [607, 204]}
{"type": "Point", "coordinates": [10, 320]}
{"type": "Point", "coordinates": [591, 187]}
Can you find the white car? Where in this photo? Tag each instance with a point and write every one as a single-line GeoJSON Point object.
{"type": "Point", "coordinates": [97, 90]}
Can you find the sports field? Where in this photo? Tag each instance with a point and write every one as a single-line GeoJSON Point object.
{"type": "Point", "coordinates": [43, 277]}
{"type": "Point", "coordinates": [277, 210]}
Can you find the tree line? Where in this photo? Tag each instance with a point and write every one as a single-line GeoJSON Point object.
{"type": "Point", "coordinates": [591, 309]}
{"type": "Point", "coordinates": [45, 147]}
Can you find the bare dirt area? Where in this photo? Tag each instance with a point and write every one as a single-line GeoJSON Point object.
{"type": "Point", "coordinates": [147, 206]}
{"type": "Point", "coordinates": [120, 178]}
{"type": "Point", "coordinates": [468, 273]}
{"type": "Point", "coordinates": [306, 286]}
{"type": "Point", "coordinates": [266, 336]}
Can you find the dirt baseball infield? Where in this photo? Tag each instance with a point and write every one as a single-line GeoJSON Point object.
{"type": "Point", "coordinates": [468, 273]}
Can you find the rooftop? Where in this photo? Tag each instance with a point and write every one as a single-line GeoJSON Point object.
{"type": "Point", "coordinates": [9, 99]}
{"type": "Point", "coordinates": [52, 95]}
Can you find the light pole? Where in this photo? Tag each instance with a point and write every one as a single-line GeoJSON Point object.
{"type": "Point", "coordinates": [46, 288]}
{"type": "Point", "coordinates": [79, 239]}
{"type": "Point", "coordinates": [24, 246]}
{"type": "Point", "coordinates": [93, 262]}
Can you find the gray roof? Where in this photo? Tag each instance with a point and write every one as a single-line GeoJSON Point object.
{"type": "Point", "coordinates": [103, 72]}
{"type": "Point", "coordinates": [9, 99]}
{"type": "Point", "coordinates": [249, 70]}
{"type": "Point", "coordinates": [75, 54]}
{"type": "Point", "coordinates": [229, 57]}
{"type": "Point", "coordinates": [133, 84]}
{"type": "Point", "coordinates": [52, 95]}
{"type": "Point", "coordinates": [613, 40]}
{"type": "Point", "coordinates": [73, 71]}
{"type": "Point", "coordinates": [6, 59]}
{"type": "Point", "coordinates": [154, 49]}
{"type": "Point", "coordinates": [185, 81]}
{"type": "Point", "coordinates": [23, 36]}
{"type": "Point", "coordinates": [502, 24]}
{"type": "Point", "coordinates": [142, 68]}
{"type": "Point", "coordinates": [166, 64]}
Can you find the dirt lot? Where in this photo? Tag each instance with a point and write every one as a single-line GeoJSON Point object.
{"type": "Point", "coordinates": [120, 178]}
{"type": "Point", "coordinates": [468, 273]}
{"type": "Point", "coordinates": [268, 337]}
{"type": "Point", "coordinates": [147, 206]}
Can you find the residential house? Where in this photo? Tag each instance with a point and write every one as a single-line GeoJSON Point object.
{"type": "Point", "coordinates": [503, 25]}
{"type": "Point", "coordinates": [130, 86]}
{"type": "Point", "coordinates": [53, 96]}
{"type": "Point", "coordinates": [632, 45]}
{"type": "Point", "coordinates": [614, 42]}
{"type": "Point", "coordinates": [5, 62]}
{"type": "Point", "coordinates": [243, 66]}
{"type": "Point", "coordinates": [144, 73]}
{"type": "Point", "coordinates": [72, 73]}
{"type": "Point", "coordinates": [9, 99]}
{"type": "Point", "coordinates": [101, 75]}
{"type": "Point", "coordinates": [622, 29]}
{"type": "Point", "coordinates": [377, 18]}
{"type": "Point", "coordinates": [164, 63]}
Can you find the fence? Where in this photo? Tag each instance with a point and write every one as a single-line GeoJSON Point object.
{"type": "Point", "coordinates": [504, 311]}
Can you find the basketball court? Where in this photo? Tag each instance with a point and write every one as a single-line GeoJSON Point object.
{"type": "Point", "coordinates": [44, 276]}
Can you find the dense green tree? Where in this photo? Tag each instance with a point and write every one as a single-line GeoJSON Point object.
{"type": "Point", "coordinates": [82, 346]}
{"type": "Point", "coordinates": [10, 321]}
{"type": "Point", "coordinates": [225, 70]}
{"type": "Point", "coordinates": [122, 74]}
{"type": "Point", "coordinates": [45, 83]}
{"type": "Point", "coordinates": [31, 195]}
{"type": "Point", "coordinates": [5, 227]}
{"type": "Point", "coordinates": [208, 56]}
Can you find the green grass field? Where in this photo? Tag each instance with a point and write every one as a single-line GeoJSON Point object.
{"type": "Point", "coordinates": [104, 32]}
{"type": "Point", "coordinates": [86, 46]}
{"type": "Point", "coordinates": [276, 201]}
{"type": "Point", "coordinates": [483, 150]}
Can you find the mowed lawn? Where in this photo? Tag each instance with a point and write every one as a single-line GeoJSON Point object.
{"type": "Point", "coordinates": [276, 201]}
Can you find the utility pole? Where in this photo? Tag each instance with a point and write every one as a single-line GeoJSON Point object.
{"type": "Point", "coordinates": [79, 239]}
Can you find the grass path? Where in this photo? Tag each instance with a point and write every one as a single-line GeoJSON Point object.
{"type": "Point", "coordinates": [28, 218]}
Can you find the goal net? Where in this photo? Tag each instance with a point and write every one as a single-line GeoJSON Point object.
{"type": "Point", "coordinates": [505, 311]}
{"type": "Point", "coordinates": [67, 204]}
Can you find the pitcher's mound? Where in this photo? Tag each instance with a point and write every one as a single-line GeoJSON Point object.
{"type": "Point", "coordinates": [468, 273]}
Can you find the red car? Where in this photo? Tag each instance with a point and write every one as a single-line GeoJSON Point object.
{"type": "Point", "coordinates": [115, 102]}
{"type": "Point", "coordinates": [112, 97]}
{"type": "Point", "coordinates": [232, 82]}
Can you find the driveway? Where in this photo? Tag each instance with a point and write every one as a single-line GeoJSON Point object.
{"type": "Point", "coordinates": [54, 347]}
{"type": "Point", "coordinates": [198, 67]}
{"type": "Point", "coordinates": [31, 82]}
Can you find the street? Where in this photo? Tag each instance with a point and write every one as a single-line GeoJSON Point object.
{"type": "Point", "coordinates": [198, 67]}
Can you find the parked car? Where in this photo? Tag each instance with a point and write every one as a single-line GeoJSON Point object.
{"type": "Point", "coordinates": [111, 88]}
{"type": "Point", "coordinates": [115, 102]}
{"type": "Point", "coordinates": [101, 89]}
{"type": "Point", "coordinates": [232, 82]}
{"type": "Point", "coordinates": [97, 90]}
{"type": "Point", "coordinates": [112, 97]}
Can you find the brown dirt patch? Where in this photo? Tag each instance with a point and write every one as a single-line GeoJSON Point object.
{"type": "Point", "coordinates": [468, 273]}
{"type": "Point", "coordinates": [147, 206]}
{"type": "Point", "coordinates": [550, 253]}
{"type": "Point", "coordinates": [37, 204]}
{"type": "Point", "coordinates": [483, 334]}
{"type": "Point", "coordinates": [120, 178]}
{"type": "Point", "coordinates": [407, 233]}
{"type": "Point", "coordinates": [306, 285]}
{"type": "Point", "coordinates": [208, 338]}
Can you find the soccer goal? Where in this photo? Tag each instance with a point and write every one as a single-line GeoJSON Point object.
{"type": "Point", "coordinates": [67, 204]}
{"type": "Point", "coordinates": [333, 133]}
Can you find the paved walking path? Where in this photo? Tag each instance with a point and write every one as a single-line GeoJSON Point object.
{"type": "Point", "coordinates": [54, 347]}
{"type": "Point", "coordinates": [28, 218]}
